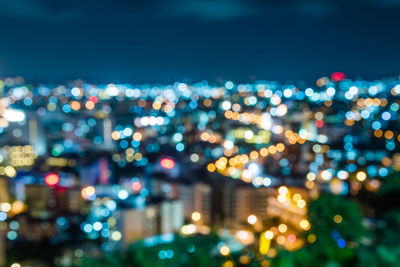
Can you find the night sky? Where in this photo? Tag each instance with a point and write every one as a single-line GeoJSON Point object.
{"type": "Point", "coordinates": [192, 40]}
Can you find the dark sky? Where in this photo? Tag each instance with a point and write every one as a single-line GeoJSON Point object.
{"type": "Point", "coordinates": [192, 40]}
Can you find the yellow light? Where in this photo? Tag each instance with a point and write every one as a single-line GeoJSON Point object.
{"type": "Point", "coordinates": [211, 167]}
{"type": "Point", "coordinates": [272, 149]}
{"type": "Point", "coordinates": [264, 151]}
{"type": "Point", "coordinates": [196, 216]}
{"type": "Point", "coordinates": [283, 190]}
{"type": "Point", "coordinates": [116, 235]}
{"type": "Point", "coordinates": [10, 171]}
{"type": "Point", "coordinates": [228, 264]}
{"type": "Point", "coordinates": [89, 105]}
{"type": "Point", "coordinates": [115, 135]}
{"type": "Point", "coordinates": [264, 244]}
{"type": "Point", "coordinates": [252, 219]}
{"type": "Point", "coordinates": [311, 176]}
{"type": "Point", "coordinates": [188, 229]}
{"type": "Point", "coordinates": [17, 207]}
{"type": "Point", "coordinates": [88, 192]}
{"type": "Point", "coordinates": [301, 203]}
{"type": "Point", "coordinates": [244, 159]}
{"type": "Point", "coordinates": [281, 240]}
{"type": "Point", "coordinates": [282, 198]}
{"type": "Point", "coordinates": [304, 224]}
{"type": "Point", "coordinates": [296, 197]}
{"type": "Point", "coordinates": [224, 250]}
{"type": "Point", "coordinates": [311, 238]}
{"type": "Point", "coordinates": [282, 228]}
{"type": "Point", "coordinates": [75, 105]}
{"type": "Point", "coordinates": [310, 184]}
{"type": "Point", "coordinates": [137, 136]}
{"type": "Point", "coordinates": [269, 235]}
{"type": "Point", "coordinates": [6, 207]}
{"type": "Point", "coordinates": [280, 147]}
{"type": "Point", "coordinates": [361, 176]}
{"type": "Point", "coordinates": [337, 218]}
{"type": "Point", "coordinates": [254, 155]}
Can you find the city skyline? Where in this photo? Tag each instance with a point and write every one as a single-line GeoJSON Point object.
{"type": "Point", "coordinates": [166, 41]}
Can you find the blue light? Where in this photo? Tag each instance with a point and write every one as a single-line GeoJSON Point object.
{"type": "Point", "coordinates": [12, 235]}
{"type": "Point", "coordinates": [124, 144]}
{"type": "Point", "coordinates": [14, 225]}
{"type": "Point", "coordinates": [28, 101]}
{"type": "Point", "coordinates": [87, 228]}
{"type": "Point", "coordinates": [97, 140]}
{"type": "Point", "coordinates": [383, 172]}
{"type": "Point", "coordinates": [376, 125]}
{"type": "Point", "coordinates": [386, 115]}
{"type": "Point", "coordinates": [191, 248]}
{"type": "Point", "coordinates": [341, 243]}
{"type": "Point", "coordinates": [390, 145]}
{"type": "Point", "coordinates": [335, 235]}
{"type": "Point", "coordinates": [162, 254]}
{"type": "Point", "coordinates": [372, 170]}
{"type": "Point", "coordinates": [170, 254]}
{"type": "Point", "coordinates": [66, 108]}
{"type": "Point", "coordinates": [180, 147]}
{"type": "Point", "coordinates": [3, 216]}
{"type": "Point", "coordinates": [105, 233]}
{"type": "Point", "coordinates": [351, 167]}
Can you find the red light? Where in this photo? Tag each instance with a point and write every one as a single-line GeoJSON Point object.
{"type": "Point", "coordinates": [94, 99]}
{"type": "Point", "coordinates": [167, 163]}
{"type": "Point", "coordinates": [292, 238]}
{"type": "Point", "coordinates": [338, 76]}
{"type": "Point", "coordinates": [136, 186]}
{"type": "Point", "coordinates": [52, 179]}
{"type": "Point", "coordinates": [319, 123]}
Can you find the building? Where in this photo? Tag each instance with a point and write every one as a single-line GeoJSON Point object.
{"type": "Point", "coordinates": [197, 197]}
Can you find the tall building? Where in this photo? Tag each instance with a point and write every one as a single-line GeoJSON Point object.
{"type": "Point", "coordinates": [107, 131]}
{"type": "Point", "coordinates": [171, 216]}
{"type": "Point", "coordinates": [4, 192]}
{"type": "Point", "coordinates": [136, 224]}
{"type": "Point", "coordinates": [36, 137]}
{"type": "Point", "coordinates": [160, 218]}
{"type": "Point", "coordinates": [40, 199]}
{"type": "Point", "coordinates": [250, 201]}
{"type": "Point", "coordinates": [196, 197]}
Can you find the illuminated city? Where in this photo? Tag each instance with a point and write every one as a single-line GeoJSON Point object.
{"type": "Point", "coordinates": [199, 133]}
{"type": "Point", "coordinates": [100, 169]}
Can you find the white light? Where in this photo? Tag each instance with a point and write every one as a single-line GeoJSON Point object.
{"type": "Point", "coordinates": [123, 194]}
{"type": "Point", "coordinates": [331, 91]}
{"type": "Point", "coordinates": [97, 226]}
{"type": "Point", "coordinates": [326, 175]}
{"type": "Point", "coordinates": [353, 90]}
{"type": "Point", "coordinates": [229, 85]}
{"type": "Point", "coordinates": [287, 92]}
{"type": "Point", "coordinates": [112, 90]}
{"type": "Point", "coordinates": [254, 168]}
{"type": "Point", "coordinates": [342, 175]}
{"type": "Point", "coordinates": [309, 92]}
{"type": "Point", "coordinates": [14, 115]}
{"type": "Point", "coordinates": [266, 121]}
{"type": "Point", "coordinates": [248, 134]}
{"type": "Point", "coordinates": [226, 105]}
{"type": "Point", "coordinates": [267, 181]}
{"type": "Point", "coordinates": [228, 144]}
